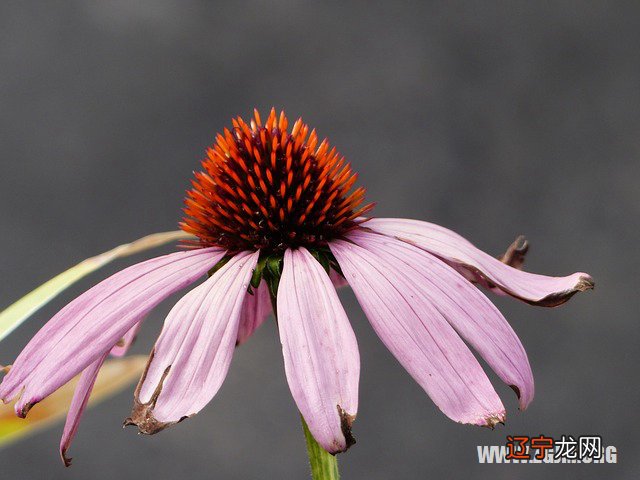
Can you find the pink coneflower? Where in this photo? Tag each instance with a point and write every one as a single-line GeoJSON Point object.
{"type": "Point", "coordinates": [276, 220]}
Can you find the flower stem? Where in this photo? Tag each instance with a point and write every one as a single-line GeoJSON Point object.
{"type": "Point", "coordinates": [324, 466]}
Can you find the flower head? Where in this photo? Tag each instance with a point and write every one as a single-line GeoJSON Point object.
{"type": "Point", "coordinates": [276, 220]}
{"type": "Point", "coordinates": [264, 188]}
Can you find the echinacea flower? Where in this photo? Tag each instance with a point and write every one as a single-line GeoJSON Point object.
{"type": "Point", "coordinates": [275, 219]}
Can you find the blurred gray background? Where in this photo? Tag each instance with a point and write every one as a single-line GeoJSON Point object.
{"type": "Point", "coordinates": [493, 120]}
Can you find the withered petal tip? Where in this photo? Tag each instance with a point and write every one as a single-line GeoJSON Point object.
{"type": "Point", "coordinates": [346, 421]}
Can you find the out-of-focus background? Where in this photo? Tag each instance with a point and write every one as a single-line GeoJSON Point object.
{"type": "Point", "coordinates": [493, 120]}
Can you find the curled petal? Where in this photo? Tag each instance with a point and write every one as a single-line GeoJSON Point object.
{"type": "Point", "coordinates": [93, 323]}
{"type": "Point", "coordinates": [418, 334]}
{"type": "Point", "coordinates": [78, 404]}
{"type": "Point", "coordinates": [480, 266]}
{"type": "Point", "coordinates": [516, 253]}
{"type": "Point", "coordinates": [192, 356]}
{"type": "Point", "coordinates": [465, 307]}
{"type": "Point", "coordinates": [255, 310]}
{"type": "Point", "coordinates": [321, 356]}
{"type": "Point", "coordinates": [124, 344]}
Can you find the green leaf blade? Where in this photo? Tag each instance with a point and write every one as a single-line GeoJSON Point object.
{"type": "Point", "coordinates": [14, 315]}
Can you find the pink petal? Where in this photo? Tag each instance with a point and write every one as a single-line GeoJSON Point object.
{"type": "Point", "coordinates": [321, 356]}
{"type": "Point", "coordinates": [78, 403]}
{"type": "Point", "coordinates": [124, 344]}
{"type": "Point", "coordinates": [192, 356]}
{"type": "Point", "coordinates": [338, 280]}
{"type": "Point", "coordinates": [468, 311]}
{"type": "Point", "coordinates": [257, 307]}
{"type": "Point", "coordinates": [418, 334]}
{"type": "Point", "coordinates": [255, 310]}
{"type": "Point", "coordinates": [469, 260]}
{"type": "Point", "coordinates": [93, 323]}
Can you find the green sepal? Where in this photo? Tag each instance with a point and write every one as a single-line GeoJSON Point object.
{"type": "Point", "coordinates": [256, 277]}
{"type": "Point", "coordinates": [274, 265]}
{"type": "Point", "coordinates": [219, 265]}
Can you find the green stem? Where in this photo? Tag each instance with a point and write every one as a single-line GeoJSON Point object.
{"type": "Point", "coordinates": [324, 466]}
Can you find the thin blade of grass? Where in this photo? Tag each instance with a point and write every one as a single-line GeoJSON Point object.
{"type": "Point", "coordinates": [13, 316]}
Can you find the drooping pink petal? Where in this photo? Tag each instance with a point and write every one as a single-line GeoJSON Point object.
{"type": "Point", "coordinates": [469, 260]}
{"type": "Point", "coordinates": [78, 404]}
{"type": "Point", "coordinates": [418, 335]}
{"type": "Point", "coordinates": [255, 310]}
{"type": "Point", "coordinates": [321, 356]}
{"type": "Point", "coordinates": [192, 356]}
{"type": "Point", "coordinates": [124, 344]}
{"type": "Point", "coordinates": [93, 323]}
{"type": "Point", "coordinates": [465, 307]}
{"type": "Point", "coordinates": [338, 280]}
